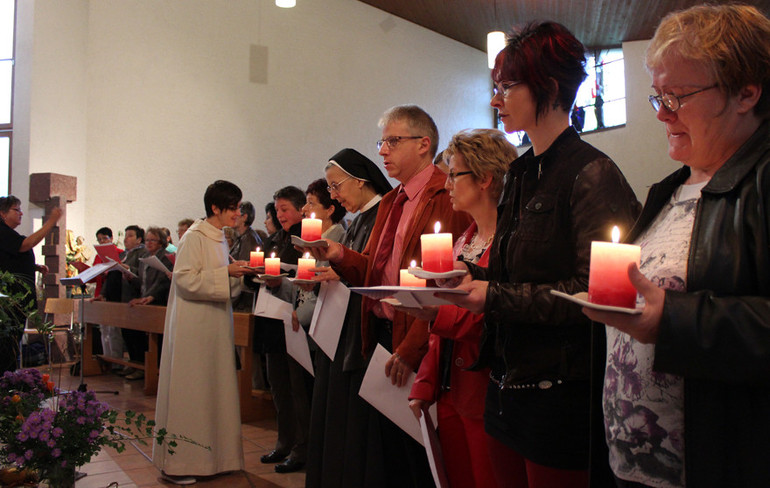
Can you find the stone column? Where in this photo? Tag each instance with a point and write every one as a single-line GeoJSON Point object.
{"type": "Point", "coordinates": [50, 190]}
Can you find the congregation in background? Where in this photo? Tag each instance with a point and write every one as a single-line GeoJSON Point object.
{"type": "Point", "coordinates": [530, 390]}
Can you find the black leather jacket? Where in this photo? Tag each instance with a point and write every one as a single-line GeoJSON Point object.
{"type": "Point", "coordinates": [552, 207]}
{"type": "Point", "coordinates": [717, 335]}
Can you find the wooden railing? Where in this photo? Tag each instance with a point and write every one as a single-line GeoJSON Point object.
{"type": "Point", "coordinates": [150, 319]}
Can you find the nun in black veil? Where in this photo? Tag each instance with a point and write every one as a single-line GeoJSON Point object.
{"type": "Point", "coordinates": [340, 419]}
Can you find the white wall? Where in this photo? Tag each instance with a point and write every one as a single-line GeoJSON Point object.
{"type": "Point", "coordinates": [170, 108]}
{"type": "Point", "coordinates": [640, 148]}
{"type": "Point", "coordinates": [50, 102]}
{"type": "Point", "coordinates": [149, 101]}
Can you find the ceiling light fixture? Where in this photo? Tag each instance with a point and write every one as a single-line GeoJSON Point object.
{"type": "Point", "coordinates": [285, 3]}
{"type": "Point", "coordinates": [495, 44]}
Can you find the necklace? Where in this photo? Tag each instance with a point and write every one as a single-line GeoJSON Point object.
{"type": "Point", "coordinates": [473, 250]}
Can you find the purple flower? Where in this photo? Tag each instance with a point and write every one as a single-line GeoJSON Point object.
{"type": "Point", "coordinates": [56, 452]}
{"type": "Point", "coordinates": [28, 454]}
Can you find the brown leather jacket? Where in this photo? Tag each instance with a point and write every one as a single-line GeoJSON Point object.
{"type": "Point", "coordinates": [410, 335]}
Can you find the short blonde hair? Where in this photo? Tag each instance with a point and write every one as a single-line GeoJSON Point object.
{"type": "Point", "coordinates": [731, 41]}
{"type": "Point", "coordinates": [485, 152]}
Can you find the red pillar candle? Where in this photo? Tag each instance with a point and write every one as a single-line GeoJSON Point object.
{"type": "Point", "coordinates": [407, 279]}
{"type": "Point", "coordinates": [608, 282]}
{"type": "Point", "coordinates": [311, 229]}
{"type": "Point", "coordinates": [273, 265]}
{"type": "Point", "coordinates": [256, 258]}
{"type": "Point", "coordinates": [437, 254]}
{"type": "Point", "coordinates": [304, 265]}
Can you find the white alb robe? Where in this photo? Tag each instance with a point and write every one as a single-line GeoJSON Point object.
{"type": "Point", "coordinates": [197, 388]}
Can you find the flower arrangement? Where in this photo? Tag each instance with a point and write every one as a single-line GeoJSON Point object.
{"type": "Point", "coordinates": [52, 433]}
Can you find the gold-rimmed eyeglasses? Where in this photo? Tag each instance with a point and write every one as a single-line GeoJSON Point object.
{"type": "Point", "coordinates": [336, 186]}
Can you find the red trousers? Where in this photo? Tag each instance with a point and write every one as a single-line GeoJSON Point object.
{"type": "Point", "coordinates": [464, 447]}
{"type": "Point", "coordinates": [512, 470]}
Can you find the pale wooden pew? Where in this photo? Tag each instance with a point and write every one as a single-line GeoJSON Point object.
{"type": "Point", "coordinates": [150, 319]}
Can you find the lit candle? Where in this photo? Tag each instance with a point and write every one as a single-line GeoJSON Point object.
{"type": "Point", "coordinates": [608, 282]}
{"type": "Point", "coordinates": [407, 279]}
{"type": "Point", "coordinates": [304, 266]}
{"type": "Point", "coordinates": [256, 258]}
{"type": "Point", "coordinates": [437, 254]}
{"type": "Point", "coordinates": [273, 265]}
{"type": "Point", "coordinates": [311, 229]}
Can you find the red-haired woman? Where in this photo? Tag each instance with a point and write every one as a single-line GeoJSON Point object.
{"type": "Point", "coordinates": [559, 196]}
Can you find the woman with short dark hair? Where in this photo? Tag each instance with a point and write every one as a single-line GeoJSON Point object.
{"type": "Point", "coordinates": [197, 387]}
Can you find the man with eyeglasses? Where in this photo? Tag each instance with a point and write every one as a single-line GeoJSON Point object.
{"type": "Point", "coordinates": [17, 257]}
{"type": "Point", "coordinates": [408, 145]}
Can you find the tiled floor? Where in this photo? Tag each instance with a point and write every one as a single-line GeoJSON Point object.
{"type": "Point", "coordinates": [132, 468]}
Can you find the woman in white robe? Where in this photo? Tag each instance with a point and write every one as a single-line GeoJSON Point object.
{"type": "Point", "coordinates": [197, 388]}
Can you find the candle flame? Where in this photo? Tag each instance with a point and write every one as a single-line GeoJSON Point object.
{"type": "Point", "coordinates": [257, 249]}
{"type": "Point", "coordinates": [312, 215]}
{"type": "Point", "coordinates": [413, 264]}
{"type": "Point", "coordinates": [437, 227]}
{"type": "Point", "coordinates": [272, 255]}
{"type": "Point", "coordinates": [307, 255]}
{"type": "Point", "coordinates": [615, 234]}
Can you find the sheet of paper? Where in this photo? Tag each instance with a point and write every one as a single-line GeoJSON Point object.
{"type": "Point", "coordinates": [388, 399]}
{"type": "Point", "coordinates": [270, 306]}
{"type": "Point", "coordinates": [296, 342]}
{"type": "Point", "coordinates": [106, 251]}
{"type": "Point", "coordinates": [409, 296]}
{"type": "Point", "coordinates": [329, 316]}
{"type": "Point", "coordinates": [154, 262]}
{"type": "Point", "coordinates": [433, 450]}
{"type": "Point", "coordinates": [297, 346]}
{"type": "Point", "coordinates": [89, 274]}
{"type": "Point", "coordinates": [126, 272]}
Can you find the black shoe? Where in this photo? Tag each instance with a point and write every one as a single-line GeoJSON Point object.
{"type": "Point", "coordinates": [273, 457]}
{"type": "Point", "coordinates": [289, 466]}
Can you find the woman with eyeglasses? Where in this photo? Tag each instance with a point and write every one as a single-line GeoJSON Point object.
{"type": "Point", "coordinates": [686, 395]}
{"type": "Point", "coordinates": [339, 418]}
{"type": "Point", "coordinates": [477, 162]}
{"type": "Point", "coordinates": [559, 196]}
{"type": "Point", "coordinates": [155, 284]}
